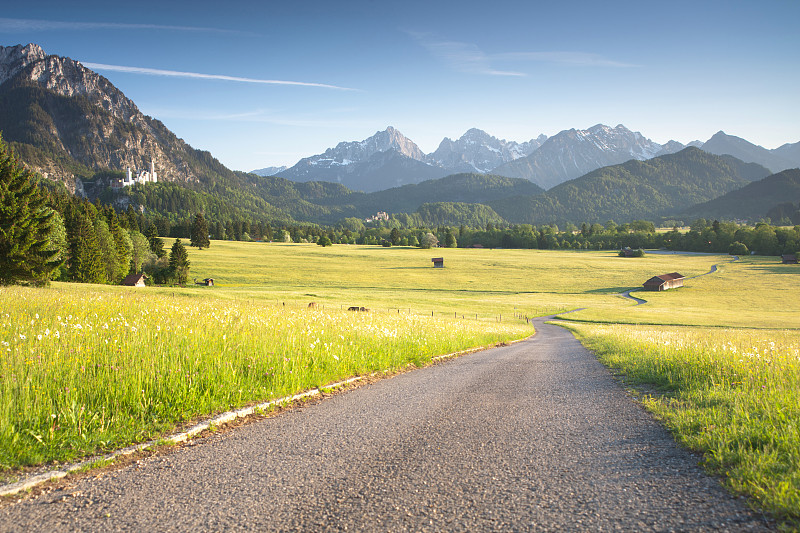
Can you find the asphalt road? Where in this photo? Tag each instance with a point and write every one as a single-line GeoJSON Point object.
{"type": "Point", "coordinates": [531, 437]}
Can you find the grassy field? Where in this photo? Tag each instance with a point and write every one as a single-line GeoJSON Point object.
{"type": "Point", "coordinates": [754, 292]}
{"type": "Point", "coordinates": [90, 368]}
{"type": "Point", "coordinates": [85, 369]}
{"type": "Point", "coordinates": [487, 282]}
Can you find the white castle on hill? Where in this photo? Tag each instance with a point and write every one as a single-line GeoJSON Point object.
{"type": "Point", "coordinates": [140, 176]}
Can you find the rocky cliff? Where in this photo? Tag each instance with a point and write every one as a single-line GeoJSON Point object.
{"type": "Point", "coordinates": [68, 121]}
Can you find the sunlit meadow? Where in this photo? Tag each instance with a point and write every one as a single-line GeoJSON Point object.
{"type": "Point", "coordinates": [733, 394]}
{"type": "Point", "coordinates": [95, 370]}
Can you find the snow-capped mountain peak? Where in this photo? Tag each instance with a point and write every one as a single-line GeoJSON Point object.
{"type": "Point", "coordinates": [477, 151]}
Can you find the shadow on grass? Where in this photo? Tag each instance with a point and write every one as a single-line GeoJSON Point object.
{"type": "Point", "coordinates": [777, 268]}
{"type": "Point", "coordinates": [611, 290]}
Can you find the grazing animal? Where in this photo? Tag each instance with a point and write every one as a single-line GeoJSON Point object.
{"type": "Point", "coordinates": [312, 305]}
{"type": "Point", "coordinates": [357, 308]}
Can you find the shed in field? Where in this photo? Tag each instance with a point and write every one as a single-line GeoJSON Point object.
{"type": "Point", "coordinates": [438, 262]}
{"type": "Point", "coordinates": [134, 280]}
{"type": "Point", "coordinates": [789, 259]}
{"type": "Point", "coordinates": [664, 282]}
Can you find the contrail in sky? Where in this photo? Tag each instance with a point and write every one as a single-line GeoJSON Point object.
{"type": "Point", "coordinates": [197, 75]}
{"type": "Point", "coordinates": [18, 25]}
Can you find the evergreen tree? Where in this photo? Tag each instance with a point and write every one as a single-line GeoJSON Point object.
{"type": "Point", "coordinates": [179, 262]}
{"type": "Point", "coordinates": [199, 235]}
{"type": "Point", "coordinates": [133, 218]}
{"type": "Point", "coordinates": [156, 243]}
{"type": "Point", "coordinates": [26, 254]}
{"type": "Point", "coordinates": [58, 242]}
{"type": "Point", "coordinates": [123, 247]}
{"type": "Point", "coordinates": [108, 250]}
{"type": "Point", "coordinates": [86, 265]}
{"type": "Point", "coordinates": [449, 239]}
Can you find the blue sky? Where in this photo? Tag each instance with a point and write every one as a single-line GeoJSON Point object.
{"type": "Point", "coordinates": [266, 83]}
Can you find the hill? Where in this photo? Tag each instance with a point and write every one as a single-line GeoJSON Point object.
{"type": "Point", "coordinates": [72, 125]}
{"type": "Point", "coordinates": [658, 187]}
{"type": "Point", "coordinates": [458, 188]}
{"type": "Point", "coordinates": [753, 201]}
{"type": "Point", "coordinates": [787, 156]}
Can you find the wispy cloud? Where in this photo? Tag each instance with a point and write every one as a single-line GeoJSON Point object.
{"type": "Point", "coordinates": [467, 57]}
{"type": "Point", "coordinates": [330, 118]}
{"type": "Point", "coordinates": [463, 57]}
{"type": "Point", "coordinates": [197, 75]}
{"type": "Point", "coordinates": [9, 25]}
{"type": "Point", "coordinates": [580, 59]}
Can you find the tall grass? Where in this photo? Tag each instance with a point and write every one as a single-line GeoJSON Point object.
{"type": "Point", "coordinates": [732, 394]}
{"type": "Point", "coordinates": [95, 370]}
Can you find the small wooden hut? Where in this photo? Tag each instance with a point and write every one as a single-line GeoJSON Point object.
{"type": "Point", "coordinates": [438, 262]}
{"type": "Point", "coordinates": [789, 259]}
{"type": "Point", "coordinates": [134, 280]}
{"type": "Point", "coordinates": [664, 282]}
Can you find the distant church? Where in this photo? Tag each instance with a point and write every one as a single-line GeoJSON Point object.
{"type": "Point", "coordinates": [139, 176]}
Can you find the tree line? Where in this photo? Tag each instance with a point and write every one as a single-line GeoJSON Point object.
{"type": "Point", "coordinates": [46, 234]}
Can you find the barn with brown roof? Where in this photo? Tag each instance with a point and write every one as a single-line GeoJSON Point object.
{"type": "Point", "coordinates": [789, 259]}
{"type": "Point", "coordinates": [134, 280]}
{"type": "Point", "coordinates": [664, 282]}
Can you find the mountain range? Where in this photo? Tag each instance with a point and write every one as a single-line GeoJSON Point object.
{"type": "Point", "coordinates": [72, 125]}
{"type": "Point", "coordinates": [389, 159]}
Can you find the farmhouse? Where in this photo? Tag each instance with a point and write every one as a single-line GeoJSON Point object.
{"type": "Point", "coordinates": [789, 259]}
{"type": "Point", "coordinates": [208, 282]}
{"type": "Point", "coordinates": [664, 282]}
{"type": "Point", "coordinates": [438, 262]}
{"type": "Point", "coordinates": [134, 280]}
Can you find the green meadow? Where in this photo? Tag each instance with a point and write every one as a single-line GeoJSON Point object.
{"type": "Point", "coordinates": [89, 368]}
{"type": "Point", "coordinates": [486, 282]}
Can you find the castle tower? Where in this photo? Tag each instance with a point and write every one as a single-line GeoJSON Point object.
{"type": "Point", "coordinates": [128, 176]}
{"type": "Point", "coordinates": [153, 177]}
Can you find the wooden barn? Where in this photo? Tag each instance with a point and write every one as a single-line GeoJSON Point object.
{"type": "Point", "coordinates": [438, 262]}
{"type": "Point", "coordinates": [789, 259]}
{"type": "Point", "coordinates": [664, 282]}
{"type": "Point", "coordinates": [134, 280]}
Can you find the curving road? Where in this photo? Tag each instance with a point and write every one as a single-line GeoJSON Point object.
{"type": "Point", "coordinates": [640, 301]}
{"type": "Point", "coordinates": [536, 436]}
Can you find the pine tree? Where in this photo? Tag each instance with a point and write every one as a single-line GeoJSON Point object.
{"type": "Point", "coordinates": [130, 215]}
{"type": "Point", "coordinates": [26, 254]}
{"type": "Point", "coordinates": [123, 247]}
{"type": "Point", "coordinates": [179, 262]}
{"type": "Point", "coordinates": [394, 236]}
{"type": "Point", "coordinates": [156, 243]}
{"type": "Point", "coordinates": [199, 236]}
{"type": "Point", "coordinates": [450, 240]}
{"type": "Point", "coordinates": [86, 265]}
